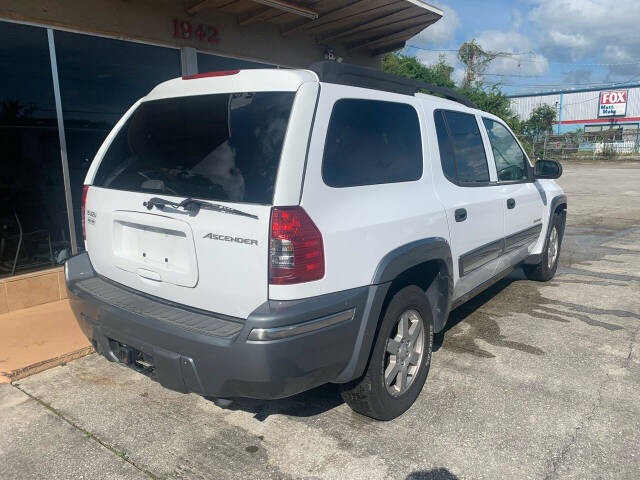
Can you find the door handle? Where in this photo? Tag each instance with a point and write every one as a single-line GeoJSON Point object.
{"type": "Point", "coordinates": [461, 215]}
{"type": "Point", "coordinates": [511, 203]}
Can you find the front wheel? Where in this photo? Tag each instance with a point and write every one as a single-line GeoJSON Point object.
{"type": "Point", "coordinates": [399, 361]}
{"type": "Point", "coordinates": [546, 269]}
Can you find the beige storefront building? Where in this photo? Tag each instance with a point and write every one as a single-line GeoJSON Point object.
{"type": "Point", "coordinates": [287, 33]}
{"type": "Point", "coordinates": [70, 68]}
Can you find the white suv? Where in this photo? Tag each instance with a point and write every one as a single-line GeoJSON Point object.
{"type": "Point", "coordinates": [258, 233]}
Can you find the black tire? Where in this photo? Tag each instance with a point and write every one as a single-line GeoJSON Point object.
{"type": "Point", "coordinates": [369, 394]}
{"type": "Point", "coordinates": [543, 272]}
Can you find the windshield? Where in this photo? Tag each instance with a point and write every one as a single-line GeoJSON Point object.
{"type": "Point", "coordinates": [223, 147]}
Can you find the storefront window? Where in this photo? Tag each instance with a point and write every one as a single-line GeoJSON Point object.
{"type": "Point", "coordinates": [214, 63]}
{"type": "Point", "coordinates": [100, 78]}
{"type": "Point", "coordinates": [34, 230]}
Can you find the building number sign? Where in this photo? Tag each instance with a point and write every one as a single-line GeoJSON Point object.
{"type": "Point", "coordinates": [187, 31]}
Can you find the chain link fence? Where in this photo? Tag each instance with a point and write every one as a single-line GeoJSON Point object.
{"type": "Point", "coordinates": [607, 145]}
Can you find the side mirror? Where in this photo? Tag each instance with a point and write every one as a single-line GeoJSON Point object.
{"type": "Point", "coordinates": [547, 169]}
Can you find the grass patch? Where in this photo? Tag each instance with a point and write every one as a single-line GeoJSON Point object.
{"type": "Point", "coordinates": [86, 433]}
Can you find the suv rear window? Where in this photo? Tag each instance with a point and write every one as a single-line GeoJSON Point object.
{"type": "Point", "coordinates": [223, 147]}
{"type": "Point", "coordinates": [371, 142]}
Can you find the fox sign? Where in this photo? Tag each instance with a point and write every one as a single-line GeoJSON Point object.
{"type": "Point", "coordinates": [613, 103]}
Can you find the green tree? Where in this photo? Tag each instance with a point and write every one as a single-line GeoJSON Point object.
{"type": "Point", "coordinates": [475, 60]}
{"type": "Point", "coordinates": [406, 66]}
{"type": "Point", "coordinates": [489, 99]}
{"type": "Point", "coordinates": [541, 121]}
{"type": "Point", "coordinates": [12, 110]}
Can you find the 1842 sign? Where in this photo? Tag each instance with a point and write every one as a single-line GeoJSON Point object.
{"type": "Point", "coordinates": [613, 103]}
{"type": "Point", "coordinates": [188, 31]}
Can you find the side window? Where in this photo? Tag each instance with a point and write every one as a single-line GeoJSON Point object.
{"type": "Point", "coordinates": [371, 142]}
{"type": "Point", "coordinates": [461, 149]}
{"type": "Point", "coordinates": [446, 149]}
{"type": "Point", "coordinates": [511, 162]}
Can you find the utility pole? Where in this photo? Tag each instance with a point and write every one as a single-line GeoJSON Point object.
{"type": "Point", "coordinates": [476, 60]}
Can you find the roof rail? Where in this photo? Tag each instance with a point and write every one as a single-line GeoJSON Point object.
{"type": "Point", "coordinates": [356, 76]}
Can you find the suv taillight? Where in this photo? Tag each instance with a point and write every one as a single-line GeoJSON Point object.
{"type": "Point", "coordinates": [296, 253]}
{"type": "Point", "coordinates": [85, 189]}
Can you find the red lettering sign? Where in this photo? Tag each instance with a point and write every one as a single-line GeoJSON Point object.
{"type": "Point", "coordinates": [613, 103]}
{"type": "Point", "coordinates": [202, 33]}
{"type": "Point", "coordinates": [613, 97]}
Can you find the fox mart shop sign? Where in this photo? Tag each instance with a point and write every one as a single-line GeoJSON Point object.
{"type": "Point", "coordinates": [613, 103]}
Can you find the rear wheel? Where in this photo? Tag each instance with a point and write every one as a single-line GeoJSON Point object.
{"type": "Point", "coordinates": [546, 269]}
{"type": "Point", "coordinates": [400, 359]}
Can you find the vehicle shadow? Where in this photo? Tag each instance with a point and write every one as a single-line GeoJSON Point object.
{"type": "Point", "coordinates": [306, 404]}
{"type": "Point", "coordinates": [468, 308]}
{"type": "Point", "coordinates": [327, 397]}
{"type": "Point", "coordinates": [433, 474]}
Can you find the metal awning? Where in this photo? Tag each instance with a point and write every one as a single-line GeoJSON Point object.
{"type": "Point", "coordinates": [377, 26]}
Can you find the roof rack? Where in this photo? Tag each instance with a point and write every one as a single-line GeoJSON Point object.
{"type": "Point", "coordinates": [356, 76]}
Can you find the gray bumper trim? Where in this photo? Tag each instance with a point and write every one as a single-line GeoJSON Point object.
{"type": "Point", "coordinates": [265, 334]}
{"type": "Point", "coordinates": [190, 355]}
{"type": "Point", "coordinates": [137, 304]}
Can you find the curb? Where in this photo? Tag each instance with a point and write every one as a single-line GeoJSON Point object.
{"type": "Point", "coordinates": [6, 377]}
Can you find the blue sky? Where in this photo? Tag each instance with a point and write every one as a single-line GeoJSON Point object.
{"type": "Point", "coordinates": [546, 44]}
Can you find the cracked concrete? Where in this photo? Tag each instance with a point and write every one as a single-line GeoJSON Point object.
{"type": "Point", "coordinates": [529, 380]}
{"type": "Point", "coordinates": [558, 460]}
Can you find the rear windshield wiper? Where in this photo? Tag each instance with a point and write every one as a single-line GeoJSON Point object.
{"type": "Point", "coordinates": [193, 206]}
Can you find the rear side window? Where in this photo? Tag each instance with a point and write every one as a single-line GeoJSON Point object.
{"type": "Point", "coordinates": [462, 153]}
{"type": "Point", "coordinates": [223, 147]}
{"type": "Point", "coordinates": [371, 142]}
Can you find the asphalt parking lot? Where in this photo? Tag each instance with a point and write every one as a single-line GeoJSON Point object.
{"type": "Point", "coordinates": [529, 380]}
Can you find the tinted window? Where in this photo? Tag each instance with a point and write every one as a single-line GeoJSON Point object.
{"type": "Point", "coordinates": [511, 162]}
{"type": "Point", "coordinates": [34, 229]}
{"type": "Point", "coordinates": [446, 149]}
{"type": "Point", "coordinates": [461, 147]}
{"type": "Point", "coordinates": [100, 78]}
{"type": "Point", "coordinates": [219, 147]}
{"type": "Point", "coordinates": [371, 142]}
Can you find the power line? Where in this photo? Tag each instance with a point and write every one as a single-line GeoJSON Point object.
{"type": "Point", "coordinates": [585, 64]}
{"type": "Point", "coordinates": [540, 85]}
{"type": "Point", "coordinates": [588, 84]}
{"type": "Point", "coordinates": [510, 75]}
{"type": "Point", "coordinates": [456, 50]}
{"type": "Point", "coordinates": [432, 49]}
{"type": "Point", "coordinates": [531, 53]}
{"type": "Point", "coordinates": [600, 85]}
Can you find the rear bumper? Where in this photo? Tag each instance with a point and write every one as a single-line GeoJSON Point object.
{"type": "Point", "coordinates": [211, 354]}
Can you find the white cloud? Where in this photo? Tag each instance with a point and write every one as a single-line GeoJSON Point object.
{"type": "Point", "coordinates": [602, 31]}
{"type": "Point", "coordinates": [567, 40]}
{"type": "Point", "coordinates": [490, 40]}
{"type": "Point", "coordinates": [517, 57]}
{"type": "Point", "coordinates": [440, 37]}
{"type": "Point", "coordinates": [576, 77]}
{"type": "Point", "coordinates": [457, 75]}
{"type": "Point", "coordinates": [516, 20]}
{"type": "Point", "coordinates": [580, 32]}
{"type": "Point", "coordinates": [440, 33]}
{"type": "Point", "coordinates": [430, 57]}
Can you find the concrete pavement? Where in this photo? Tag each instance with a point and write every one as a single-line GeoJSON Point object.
{"type": "Point", "coordinates": [529, 380]}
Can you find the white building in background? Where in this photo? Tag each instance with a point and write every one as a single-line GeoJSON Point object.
{"type": "Point", "coordinates": [593, 110]}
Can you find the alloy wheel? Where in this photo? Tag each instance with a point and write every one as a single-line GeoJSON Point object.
{"type": "Point", "coordinates": [552, 251]}
{"type": "Point", "coordinates": [403, 354]}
